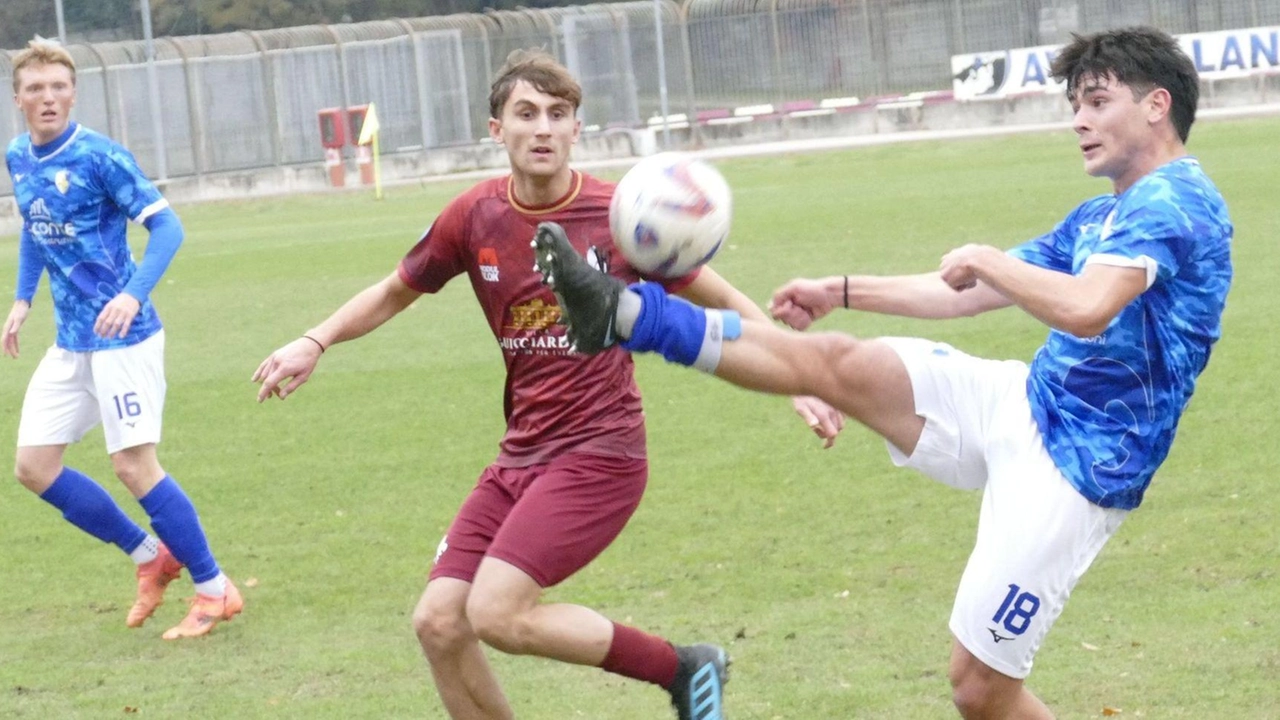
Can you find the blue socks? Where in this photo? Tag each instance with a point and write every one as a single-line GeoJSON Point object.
{"type": "Point", "coordinates": [680, 331]}
{"type": "Point", "coordinates": [174, 519]}
{"type": "Point", "coordinates": [85, 504]}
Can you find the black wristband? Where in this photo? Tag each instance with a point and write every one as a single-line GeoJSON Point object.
{"type": "Point", "coordinates": [846, 292]}
{"type": "Point", "coordinates": [317, 342]}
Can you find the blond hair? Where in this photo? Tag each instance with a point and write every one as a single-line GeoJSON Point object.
{"type": "Point", "coordinates": [42, 52]}
{"type": "Point", "coordinates": [540, 70]}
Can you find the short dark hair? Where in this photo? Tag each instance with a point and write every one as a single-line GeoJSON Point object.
{"type": "Point", "coordinates": [540, 70]}
{"type": "Point", "coordinates": [1143, 58]}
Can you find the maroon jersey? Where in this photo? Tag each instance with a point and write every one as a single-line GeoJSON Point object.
{"type": "Point", "coordinates": [555, 401]}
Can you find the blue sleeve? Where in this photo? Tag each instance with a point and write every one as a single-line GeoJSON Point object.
{"type": "Point", "coordinates": [1153, 222]}
{"type": "Point", "coordinates": [126, 184]}
{"type": "Point", "coordinates": [1054, 250]}
{"type": "Point", "coordinates": [165, 237]}
{"type": "Point", "coordinates": [30, 265]}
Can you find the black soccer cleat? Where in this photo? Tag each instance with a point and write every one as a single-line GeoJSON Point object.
{"type": "Point", "coordinates": [588, 298]}
{"type": "Point", "coordinates": [697, 693]}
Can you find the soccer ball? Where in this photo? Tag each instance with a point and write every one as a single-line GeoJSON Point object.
{"type": "Point", "coordinates": [670, 213]}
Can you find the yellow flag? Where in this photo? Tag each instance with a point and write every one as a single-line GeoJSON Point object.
{"type": "Point", "coordinates": [370, 126]}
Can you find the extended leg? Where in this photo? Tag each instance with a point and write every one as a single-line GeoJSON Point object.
{"type": "Point", "coordinates": [864, 379]}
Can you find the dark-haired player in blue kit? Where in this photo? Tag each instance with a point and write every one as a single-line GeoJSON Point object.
{"type": "Point", "coordinates": [1132, 285]}
{"type": "Point", "coordinates": [77, 191]}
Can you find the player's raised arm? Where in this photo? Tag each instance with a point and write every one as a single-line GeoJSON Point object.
{"type": "Point", "coordinates": [927, 296]}
{"type": "Point", "coordinates": [360, 315]}
{"type": "Point", "coordinates": [1082, 305]}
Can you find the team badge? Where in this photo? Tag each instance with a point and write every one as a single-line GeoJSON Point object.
{"type": "Point", "coordinates": [62, 181]}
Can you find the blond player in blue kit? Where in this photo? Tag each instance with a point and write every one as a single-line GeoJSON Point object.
{"type": "Point", "coordinates": [77, 191]}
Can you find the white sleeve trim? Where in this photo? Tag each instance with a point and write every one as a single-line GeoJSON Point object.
{"type": "Point", "coordinates": [150, 210]}
{"type": "Point", "coordinates": [1142, 261]}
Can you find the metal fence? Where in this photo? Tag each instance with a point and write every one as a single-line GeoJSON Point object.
{"type": "Point", "coordinates": [249, 99]}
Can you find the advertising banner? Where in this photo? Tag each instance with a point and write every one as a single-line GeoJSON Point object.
{"type": "Point", "coordinates": [1217, 55]}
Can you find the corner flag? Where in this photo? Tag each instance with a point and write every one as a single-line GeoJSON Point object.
{"type": "Point", "coordinates": [370, 127]}
{"type": "Point", "coordinates": [369, 135]}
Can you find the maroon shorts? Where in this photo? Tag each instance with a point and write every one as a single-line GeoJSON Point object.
{"type": "Point", "coordinates": [548, 520]}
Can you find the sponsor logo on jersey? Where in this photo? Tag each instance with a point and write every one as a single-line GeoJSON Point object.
{"type": "Point", "coordinates": [541, 344]}
{"type": "Point", "coordinates": [526, 332]}
{"type": "Point", "coordinates": [533, 315]}
{"type": "Point", "coordinates": [488, 261]}
{"type": "Point", "coordinates": [42, 227]}
{"type": "Point", "coordinates": [39, 211]}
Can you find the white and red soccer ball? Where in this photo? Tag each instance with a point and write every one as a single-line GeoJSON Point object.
{"type": "Point", "coordinates": [670, 214]}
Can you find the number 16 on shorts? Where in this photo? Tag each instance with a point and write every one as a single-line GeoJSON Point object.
{"type": "Point", "coordinates": [1015, 613]}
{"type": "Point", "coordinates": [127, 405]}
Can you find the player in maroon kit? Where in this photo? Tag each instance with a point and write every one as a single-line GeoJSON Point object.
{"type": "Point", "coordinates": [572, 465]}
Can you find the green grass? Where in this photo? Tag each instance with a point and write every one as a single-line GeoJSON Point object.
{"type": "Point", "coordinates": [829, 573]}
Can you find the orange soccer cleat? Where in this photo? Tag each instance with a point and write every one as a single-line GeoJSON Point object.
{"type": "Point", "coordinates": [207, 611]}
{"type": "Point", "coordinates": [153, 578]}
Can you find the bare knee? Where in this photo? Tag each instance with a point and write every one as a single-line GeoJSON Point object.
{"type": "Point", "coordinates": [37, 470]}
{"type": "Point", "coordinates": [441, 629]}
{"type": "Point", "coordinates": [972, 698]}
{"type": "Point", "coordinates": [138, 469]}
{"type": "Point", "coordinates": [847, 372]}
{"type": "Point", "coordinates": [978, 691]}
{"type": "Point", "coordinates": [500, 625]}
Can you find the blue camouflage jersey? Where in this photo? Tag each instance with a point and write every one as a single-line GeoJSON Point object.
{"type": "Point", "coordinates": [1108, 406]}
{"type": "Point", "coordinates": [77, 195]}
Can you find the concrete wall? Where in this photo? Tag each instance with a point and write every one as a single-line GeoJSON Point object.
{"type": "Point", "coordinates": [896, 119]}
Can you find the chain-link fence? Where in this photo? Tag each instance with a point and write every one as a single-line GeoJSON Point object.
{"type": "Point", "coordinates": [250, 99]}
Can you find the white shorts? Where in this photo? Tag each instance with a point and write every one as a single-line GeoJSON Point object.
{"type": "Point", "coordinates": [1036, 533]}
{"type": "Point", "coordinates": [71, 392]}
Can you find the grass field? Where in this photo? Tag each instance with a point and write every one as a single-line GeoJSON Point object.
{"type": "Point", "coordinates": [829, 574]}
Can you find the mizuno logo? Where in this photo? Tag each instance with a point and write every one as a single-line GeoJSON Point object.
{"type": "Point", "coordinates": [997, 637]}
{"type": "Point", "coordinates": [17, 177]}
